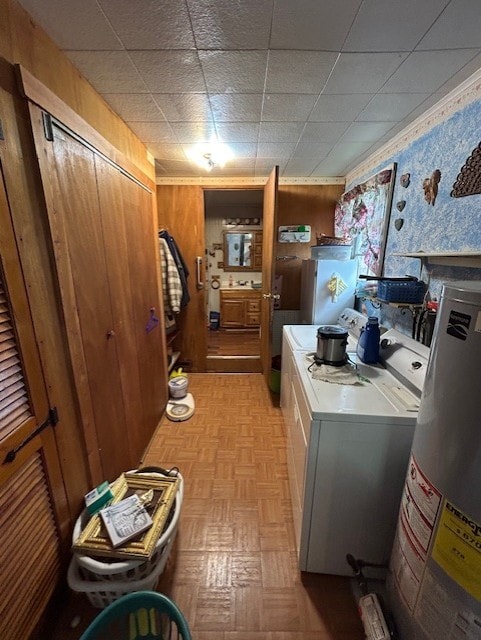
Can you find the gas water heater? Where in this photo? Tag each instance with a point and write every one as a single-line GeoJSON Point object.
{"type": "Point", "coordinates": [434, 584]}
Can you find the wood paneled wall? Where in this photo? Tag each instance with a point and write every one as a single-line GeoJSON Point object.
{"type": "Point", "coordinates": [23, 42]}
{"type": "Point", "coordinates": [302, 204]}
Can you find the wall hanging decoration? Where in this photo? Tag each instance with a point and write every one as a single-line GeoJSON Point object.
{"type": "Point", "coordinates": [468, 182]}
{"type": "Point", "coordinates": [430, 186]}
{"type": "Point", "coordinates": [405, 180]}
{"type": "Point", "coordinates": [362, 214]}
{"type": "Point", "coordinates": [400, 205]}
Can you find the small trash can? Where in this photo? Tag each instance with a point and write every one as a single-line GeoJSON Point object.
{"type": "Point", "coordinates": [214, 320]}
{"type": "Point", "coordinates": [275, 376]}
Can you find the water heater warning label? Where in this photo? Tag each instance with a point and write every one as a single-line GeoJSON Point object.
{"type": "Point", "coordinates": [457, 548]}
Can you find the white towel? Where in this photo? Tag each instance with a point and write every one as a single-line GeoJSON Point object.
{"type": "Point", "coordinates": [347, 374]}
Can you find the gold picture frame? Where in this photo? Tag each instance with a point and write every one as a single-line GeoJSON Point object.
{"type": "Point", "coordinates": [94, 539]}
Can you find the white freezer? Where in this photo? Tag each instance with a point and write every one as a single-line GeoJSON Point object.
{"type": "Point", "coordinates": [327, 287]}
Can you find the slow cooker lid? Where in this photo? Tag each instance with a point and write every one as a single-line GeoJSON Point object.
{"type": "Point", "coordinates": [332, 331]}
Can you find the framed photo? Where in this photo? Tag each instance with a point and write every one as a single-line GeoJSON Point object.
{"type": "Point", "coordinates": [362, 214]}
{"type": "Point", "coordinates": [94, 539]}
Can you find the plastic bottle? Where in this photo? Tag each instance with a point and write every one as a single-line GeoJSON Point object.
{"type": "Point", "coordinates": [231, 281]}
{"type": "Point", "coordinates": [368, 345]}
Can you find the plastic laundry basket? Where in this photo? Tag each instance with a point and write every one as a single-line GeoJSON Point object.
{"type": "Point", "coordinates": [105, 581]}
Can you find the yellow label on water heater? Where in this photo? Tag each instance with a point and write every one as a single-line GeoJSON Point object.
{"type": "Point", "coordinates": [457, 548]}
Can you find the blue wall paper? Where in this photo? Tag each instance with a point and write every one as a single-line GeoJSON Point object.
{"type": "Point", "coordinates": [452, 224]}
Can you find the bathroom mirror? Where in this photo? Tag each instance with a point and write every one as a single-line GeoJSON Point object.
{"type": "Point", "coordinates": [239, 251]}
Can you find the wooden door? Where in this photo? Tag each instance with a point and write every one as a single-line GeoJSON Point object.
{"type": "Point", "coordinates": [106, 269]}
{"type": "Point", "coordinates": [181, 213]}
{"type": "Point", "coordinates": [268, 269]}
{"type": "Point", "coordinates": [33, 514]}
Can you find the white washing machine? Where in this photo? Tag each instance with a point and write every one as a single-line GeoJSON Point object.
{"type": "Point", "coordinates": [303, 337]}
{"type": "Point", "coordinates": [348, 448]}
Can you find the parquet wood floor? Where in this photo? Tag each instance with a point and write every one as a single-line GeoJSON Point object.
{"type": "Point", "coordinates": [233, 569]}
{"type": "Point", "coordinates": [233, 343]}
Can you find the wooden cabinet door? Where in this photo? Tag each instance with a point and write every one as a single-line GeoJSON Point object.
{"type": "Point", "coordinates": [232, 313]}
{"type": "Point", "coordinates": [106, 267]}
{"type": "Point", "coordinates": [33, 514]}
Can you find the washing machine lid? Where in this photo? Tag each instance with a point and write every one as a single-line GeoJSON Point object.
{"type": "Point", "coordinates": [379, 398]}
{"type": "Point", "coordinates": [302, 336]}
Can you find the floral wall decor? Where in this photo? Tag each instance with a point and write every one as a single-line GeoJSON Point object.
{"type": "Point", "coordinates": [362, 214]}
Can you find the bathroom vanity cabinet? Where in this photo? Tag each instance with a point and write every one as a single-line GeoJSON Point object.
{"type": "Point", "coordinates": [240, 308]}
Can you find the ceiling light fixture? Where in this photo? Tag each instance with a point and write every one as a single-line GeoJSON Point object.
{"type": "Point", "coordinates": [210, 155]}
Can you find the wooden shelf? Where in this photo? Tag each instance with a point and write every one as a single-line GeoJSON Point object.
{"type": "Point", "coordinates": [404, 306]}
{"type": "Point", "coordinates": [447, 258]}
{"type": "Point", "coordinates": [171, 337]}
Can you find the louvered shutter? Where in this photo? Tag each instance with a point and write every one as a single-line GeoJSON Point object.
{"type": "Point", "coordinates": [14, 404]}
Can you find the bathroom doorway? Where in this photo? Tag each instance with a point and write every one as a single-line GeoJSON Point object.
{"type": "Point", "coordinates": [233, 278]}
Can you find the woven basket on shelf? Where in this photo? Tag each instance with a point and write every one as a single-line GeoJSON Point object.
{"type": "Point", "coordinates": [332, 240]}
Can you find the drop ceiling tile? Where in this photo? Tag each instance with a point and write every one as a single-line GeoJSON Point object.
{"type": "Point", "coordinates": [329, 167]}
{"type": "Point", "coordinates": [244, 163]}
{"type": "Point", "coordinates": [243, 149]}
{"type": "Point", "coordinates": [363, 72]}
{"type": "Point", "coordinates": [458, 27]}
{"type": "Point", "coordinates": [265, 165]}
{"type": "Point", "coordinates": [172, 71]}
{"type": "Point", "coordinates": [463, 74]}
{"type": "Point", "coordinates": [281, 150]}
{"type": "Point", "coordinates": [422, 108]}
{"type": "Point", "coordinates": [153, 131]}
{"type": "Point", "coordinates": [238, 132]}
{"type": "Point", "coordinates": [297, 167]}
{"type": "Point", "coordinates": [391, 107]}
{"type": "Point", "coordinates": [180, 107]}
{"type": "Point", "coordinates": [108, 71]}
{"type": "Point", "coordinates": [426, 71]}
{"type": "Point", "coordinates": [345, 152]}
{"type": "Point", "coordinates": [171, 168]}
{"type": "Point", "coordinates": [298, 71]}
{"type": "Point", "coordinates": [390, 25]}
{"type": "Point", "coordinates": [279, 107]}
{"type": "Point", "coordinates": [167, 151]}
{"type": "Point", "coordinates": [366, 131]}
{"type": "Point", "coordinates": [339, 108]}
{"type": "Point", "coordinates": [234, 71]}
{"type": "Point", "coordinates": [323, 131]}
{"type": "Point", "coordinates": [312, 25]}
{"type": "Point", "coordinates": [241, 171]}
{"type": "Point", "coordinates": [218, 24]}
{"type": "Point", "coordinates": [312, 150]}
{"type": "Point", "coordinates": [74, 25]}
{"type": "Point", "coordinates": [236, 107]}
{"type": "Point", "coordinates": [135, 107]}
{"type": "Point", "coordinates": [193, 132]}
{"type": "Point", "coordinates": [149, 24]}
{"type": "Point", "coordinates": [280, 131]}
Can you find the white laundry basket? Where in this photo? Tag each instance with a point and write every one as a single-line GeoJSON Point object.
{"type": "Point", "coordinates": [105, 581]}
